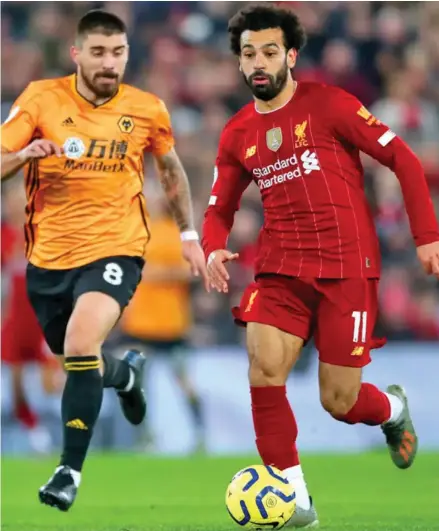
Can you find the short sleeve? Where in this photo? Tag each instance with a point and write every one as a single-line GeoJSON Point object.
{"type": "Point", "coordinates": [163, 137]}
{"type": "Point", "coordinates": [19, 127]}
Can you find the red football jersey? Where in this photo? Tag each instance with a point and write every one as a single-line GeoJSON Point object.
{"type": "Point", "coordinates": [305, 159]}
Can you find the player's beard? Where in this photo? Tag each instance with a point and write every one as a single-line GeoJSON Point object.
{"type": "Point", "coordinates": [271, 89]}
{"type": "Point", "coordinates": [100, 89]}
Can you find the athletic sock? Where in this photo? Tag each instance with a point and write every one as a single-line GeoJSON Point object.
{"type": "Point", "coordinates": [117, 373]}
{"type": "Point", "coordinates": [276, 434]}
{"type": "Point", "coordinates": [26, 415]}
{"type": "Point", "coordinates": [396, 408]}
{"type": "Point", "coordinates": [372, 407]}
{"type": "Point", "coordinates": [297, 479]}
{"type": "Point", "coordinates": [80, 406]}
{"type": "Point", "coordinates": [275, 426]}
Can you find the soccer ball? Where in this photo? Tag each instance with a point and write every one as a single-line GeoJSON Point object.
{"type": "Point", "coordinates": [260, 497]}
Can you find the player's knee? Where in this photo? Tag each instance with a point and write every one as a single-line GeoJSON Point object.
{"type": "Point", "coordinates": [338, 402]}
{"type": "Point", "coordinates": [266, 372]}
{"type": "Point", "coordinates": [271, 354]}
{"type": "Point", "coordinates": [79, 344]}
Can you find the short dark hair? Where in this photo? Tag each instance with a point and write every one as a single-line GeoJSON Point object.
{"type": "Point", "coordinates": [100, 21]}
{"type": "Point", "coordinates": [265, 16]}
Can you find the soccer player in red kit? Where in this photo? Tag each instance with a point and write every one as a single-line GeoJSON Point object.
{"type": "Point", "coordinates": [22, 341]}
{"type": "Point", "coordinates": [318, 262]}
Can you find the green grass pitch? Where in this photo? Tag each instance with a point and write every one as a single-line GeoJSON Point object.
{"type": "Point", "coordinates": [138, 493]}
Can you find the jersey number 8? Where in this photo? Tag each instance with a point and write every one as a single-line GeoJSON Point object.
{"type": "Point", "coordinates": [113, 274]}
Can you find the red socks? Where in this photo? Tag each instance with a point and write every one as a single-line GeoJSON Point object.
{"type": "Point", "coordinates": [275, 426]}
{"type": "Point", "coordinates": [25, 415]}
{"type": "Point", "coordinates": [372, 407]}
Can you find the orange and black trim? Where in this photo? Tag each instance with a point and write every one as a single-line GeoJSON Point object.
{"type": "Point", "coordinates": [142, 202]}
{"type": "Point", "coordinates": [74, 87]}
{"type": "Point", "coordinates": [32, 182]}
{"type": "Point", "coordinates": [142, 205]}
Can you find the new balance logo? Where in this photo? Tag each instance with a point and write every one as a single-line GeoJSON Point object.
{"type": "Point", "coordinates": [77, 424]}
{"type": "Point", "coordinates": [250, 152]}
{"type": "Point", "coordinates": [310, 162]}
{"type": "Point", "coordinates": [358, 351]}
{"type": "Point", "coordinates": [68, 121]}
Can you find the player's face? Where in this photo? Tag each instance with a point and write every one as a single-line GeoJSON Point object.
{"type": "Point", "coordinates": [101, 61]}
{"type": "Point", "coordinates": [265, 62]}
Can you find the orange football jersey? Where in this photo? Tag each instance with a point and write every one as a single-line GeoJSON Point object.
{"type": "Point", "coordinates": [87, 204]}
{"type": "Point", "coordinates": [160, 310]}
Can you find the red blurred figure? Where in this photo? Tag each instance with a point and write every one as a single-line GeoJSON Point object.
{"type": "Point", "coordinates": [21, 337]}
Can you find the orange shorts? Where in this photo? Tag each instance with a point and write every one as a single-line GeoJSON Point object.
{"type": "Point", "coordinates": [340, 314]}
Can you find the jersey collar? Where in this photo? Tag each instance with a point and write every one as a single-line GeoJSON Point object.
{"type": "Point", "coordinates": [90, 104]}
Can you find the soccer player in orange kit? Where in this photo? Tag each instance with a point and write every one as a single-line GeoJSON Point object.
{"type": "Point", "coordinates": [82, 138]}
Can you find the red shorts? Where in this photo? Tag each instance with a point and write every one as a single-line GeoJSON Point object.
{"type": "Point", "coordinates": [23, 341]}
{"type": "Point", "coordinates": [340, 314]}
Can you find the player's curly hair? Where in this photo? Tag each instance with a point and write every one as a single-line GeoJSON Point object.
{"type": "Point", "coordinates": [98, 20]}
{"type": "Point", "coordinates": [264, 16]}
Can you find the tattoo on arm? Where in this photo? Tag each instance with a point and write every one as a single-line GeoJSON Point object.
{"type": "Point", "coordinates": [175, 183]}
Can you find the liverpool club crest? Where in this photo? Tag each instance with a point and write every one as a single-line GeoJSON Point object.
{"type": "Point", "coordinates": [274, 138]}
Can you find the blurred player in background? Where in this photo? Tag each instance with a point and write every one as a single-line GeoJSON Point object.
{"type": "Point", "coordinates": [82, 139]}
{"type": "Point", "coordinates": [22, 341]}
{"type": "Point", "coordinates": [158, 318]}
{"type": "Point", "coordinates": [318, 260]}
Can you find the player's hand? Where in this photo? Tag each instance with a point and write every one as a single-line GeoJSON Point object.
{"type": "Point", "coordinates": [218, 275]}
{"type": "Point", "coordinates": [40, 149]}
{"type": "Point", "coordinates": [429, 257]}
{"type": "Point", "coordinates": [193, 253]}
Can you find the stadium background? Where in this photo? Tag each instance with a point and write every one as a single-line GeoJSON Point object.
{"type": "Point", "coordinates": [386, 54]}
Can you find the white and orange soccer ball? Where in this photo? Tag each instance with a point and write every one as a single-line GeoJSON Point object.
{"type": "Point", "coordinates": [260, 497]}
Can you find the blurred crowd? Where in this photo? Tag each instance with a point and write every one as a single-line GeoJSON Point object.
{"type": "Point", "coordinates": [385, 53]}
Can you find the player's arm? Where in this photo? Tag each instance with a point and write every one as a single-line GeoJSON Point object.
{"type": "Point", "coordinates": [352, 122]}
{"type": "Point", "coordinates": [230, 182]}
{"type": "Point", "coordinates": [11, 163]}
{"type": "Point", "coordinates": [175, 184]}
{"type": "Point", "coordinates": [17, 132]}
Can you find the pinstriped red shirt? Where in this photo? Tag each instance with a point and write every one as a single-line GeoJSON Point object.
{"type": "Point", "coordinates": [305, 159]}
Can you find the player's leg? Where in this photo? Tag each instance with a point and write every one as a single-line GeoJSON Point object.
{"type": "Point", "coordinates": [97, 296]}
{"type": "Point", "coordinates": [12, 355]}
{"type": "Point", "coordinates": [277, 321]}
{"type": "Point", "coordinates": [345, 323]}
{"type": "Point", "coordinates": [101, 292]}
{"type": "Point", "coordinates": [178, 355]}
{"type": "Point", "coordinates": [123, 344]}
{"type": "Point", "coordinates": [118, 277]}
{"type": "Point", "coordinates": [22, 409]}
{"type": "Point", "coordinates": [93, 316]}
{"type": "Point", "coordinates": [52, 374]}
{"type": "Point", "coordinates": [272, 354]}
{"type": "Point", "coordinates": [19, 349]}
